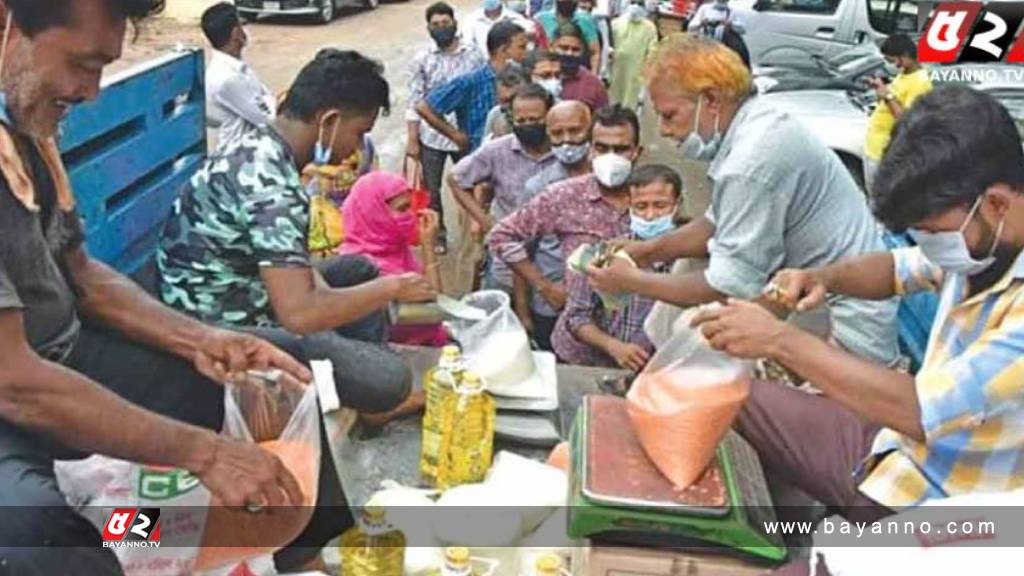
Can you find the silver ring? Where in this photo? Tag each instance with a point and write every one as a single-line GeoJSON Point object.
{"type": "Point", "coordinates": [253, 509]}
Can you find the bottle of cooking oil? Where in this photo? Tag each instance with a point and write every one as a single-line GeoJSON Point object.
{"type": "Point", "coordinates": [438, 383]}
{"type": "Point", "coordinates": [372, 547]}
{"type": "Point", "coordinates": [456, 563]}
{"type": "Point", "coordinates": [467, 442]}
{"type": "Point", "coordinates": [547, 565]}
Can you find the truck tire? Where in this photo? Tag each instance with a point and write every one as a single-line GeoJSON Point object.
{"type": "Point", "coordinates": [327, 11]}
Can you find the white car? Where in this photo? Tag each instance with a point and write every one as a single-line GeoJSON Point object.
{"type": "Point", "coordinates": [322, 10]}
{"type": "Point", "coordinates": [783, 29]}
{"type": "Point", "coordinates": [840, 118]}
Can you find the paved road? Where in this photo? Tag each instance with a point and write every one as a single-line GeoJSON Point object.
{"type": "Point", "coordinates": [392, 33]}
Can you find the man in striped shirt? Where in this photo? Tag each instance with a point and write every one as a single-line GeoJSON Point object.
{"type": "Point", "coordinates": [449, 58]}
{"type": "Point", "coordinates": [879, 440]}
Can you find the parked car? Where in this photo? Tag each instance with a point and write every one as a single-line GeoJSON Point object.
{"type": "Point", "coordinates": [840, 117]}
{"type": "Point", "coordinates": [783, 29]}
{"type": "Point", "coordinates": [848, 70]}
{"type": "Point", "coordinates": [322, 10]}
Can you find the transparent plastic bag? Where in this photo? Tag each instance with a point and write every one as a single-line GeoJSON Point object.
{"type": "Point", "coordinates": [683, 403]}
{"type": "Point", "coordinates": [496, 348]}
{"type": "Point", "coordinates": [282, 416]}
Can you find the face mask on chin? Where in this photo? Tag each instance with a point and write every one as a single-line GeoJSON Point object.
{"type": "Point", "coordinates": [694, 146]}
{"type": "Point", "coordinates": [948, 250]}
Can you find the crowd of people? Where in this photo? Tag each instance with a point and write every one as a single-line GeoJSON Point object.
{"type": "Point", "coordinates": [288, 245]}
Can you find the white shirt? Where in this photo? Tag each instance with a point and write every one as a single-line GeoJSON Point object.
{"type": "Point", "coordinates": [715, 13]}
{"type": "Point", "coordinates": [480, 25]}
{"type": "Point", "coordinates": [236, 100]}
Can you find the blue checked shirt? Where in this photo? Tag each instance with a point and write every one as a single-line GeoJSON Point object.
{"type": "Point", "coordinates": [971, 391]}
{"type": "Point", "coordinates": [470, 96]}
{"type": "Point", "coordinates": [432, 68]}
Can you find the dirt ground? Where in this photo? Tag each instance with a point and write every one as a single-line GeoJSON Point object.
{"type": "Point", "coordinates": [392, 33]}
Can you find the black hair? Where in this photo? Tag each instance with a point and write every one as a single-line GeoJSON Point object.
{"type": "Point", "coordinates": [537, 56]}
{"type": "Point", "coordinates": [512, 77]}
{"type": "Point", "coordinates": [897, 45]}
{"type": "Point", "coordinates": [218, 22]}
{"type": "Point", "coordinates": [439, 8]}
{"type": "Point", "coordinates": [733, 40]}
{"type": "Point", "coordinates": [570, 29]}
{"type": "Point", "coordinates": [949, 147]}
{"type": "Point", "coordinates": [34, 16]}
{"type": "Point", "coordinates": [651, 173]}
{"type": "Point", "coordinates": [618, 115]}
{"type": "Point", "coordinates": [343, 79]}
{"type": "Point", "coordinates": [535, 92]}
{"type": "Point", "coordinates": [501, 35]}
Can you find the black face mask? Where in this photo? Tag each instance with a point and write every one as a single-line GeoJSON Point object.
{"type": "Point", "coordinates": [443, 36]}
{"type": "Point", "coordinates": [571, 64]}
{"type": "Point", "coordinates": [566, 8]}
{"type": "Point", "coordinates": [531, 135]}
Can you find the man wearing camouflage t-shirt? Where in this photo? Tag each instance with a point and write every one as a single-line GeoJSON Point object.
{"type": "Point", "coordinates": [234, 250]}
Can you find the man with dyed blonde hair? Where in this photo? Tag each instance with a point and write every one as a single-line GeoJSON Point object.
{"type": "Point", "coordinates": [780, 198]}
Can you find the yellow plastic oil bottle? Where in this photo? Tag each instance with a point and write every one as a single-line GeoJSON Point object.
{"type": "Point", "coordinates": [456, 563]}
{"type": "Point", "coordinates": [372, 547]}
{"type": "Point", "coordinates": [438, 383]}
{"type": "Point", "coordinates": [467, 443]}
{"type": "Point", "coordinates": [547, 565]}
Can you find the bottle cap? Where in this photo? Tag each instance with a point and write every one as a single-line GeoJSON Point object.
{"type": "Point", "coordinates": [548, 564]}
{"type": "Point", "coordinates": [471, 382]}
{"type": "Point", "coordinates": [457, 557]}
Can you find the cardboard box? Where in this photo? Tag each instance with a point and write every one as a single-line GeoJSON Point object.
{"type": "Point", "coordinates": [616, 561]}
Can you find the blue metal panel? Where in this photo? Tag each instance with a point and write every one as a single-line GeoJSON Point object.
{"type": "Point", "coordinates": [129, 152]}
{"type": "Point", "coordinates": [916, 313]}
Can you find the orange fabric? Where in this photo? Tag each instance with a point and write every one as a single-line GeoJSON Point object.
{"type": "Point", "coordinates": [248, 535]}
{"type": "Point", "coordinates": [681, 414]}
{"type": "Point", "coordinates": [18, 180]}
{"type": "Point", "coordinates": [559, 457]}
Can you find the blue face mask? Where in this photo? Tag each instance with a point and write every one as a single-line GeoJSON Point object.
{"type": "Point", "coordinates": [322, 154]}
{"type": "Point", "coordinates": [647, 229]}
{"type": "Point", "coordinates": [5, 116]}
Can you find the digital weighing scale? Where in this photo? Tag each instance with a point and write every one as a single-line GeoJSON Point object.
{"type": "Point", "coordinates": [618, 495]}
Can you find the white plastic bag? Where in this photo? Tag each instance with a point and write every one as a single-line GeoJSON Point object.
{"type": "Point", "coordinates": [683, 403]}
{"type": "Point", "coordinates": [497, 347]}
{"type": "Point", "coordinates": [284, 418]}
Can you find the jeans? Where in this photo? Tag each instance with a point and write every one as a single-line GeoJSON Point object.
{"type": "Point", "coordinates": [433, 161]}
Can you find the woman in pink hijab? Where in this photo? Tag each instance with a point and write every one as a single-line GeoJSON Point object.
{"type": "Point", "coordinates": [379, 224]}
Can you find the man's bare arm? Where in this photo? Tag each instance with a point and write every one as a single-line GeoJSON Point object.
{"type": "Point", "coordinates": [437, 122]}
{"type": "Point", "coordinates": [470, 202]}
{"type": "Point", "coordinates": [55, 402]}
{"type": "Point", "coordinates": [304, 304]}
{"type": "Point", "coordinates": [116, 301]}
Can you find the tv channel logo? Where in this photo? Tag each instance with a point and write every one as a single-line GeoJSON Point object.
{"type": "Point", "coordinates": [132, 528]}
{"type": "Point", "coordinates": [982, 32]}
